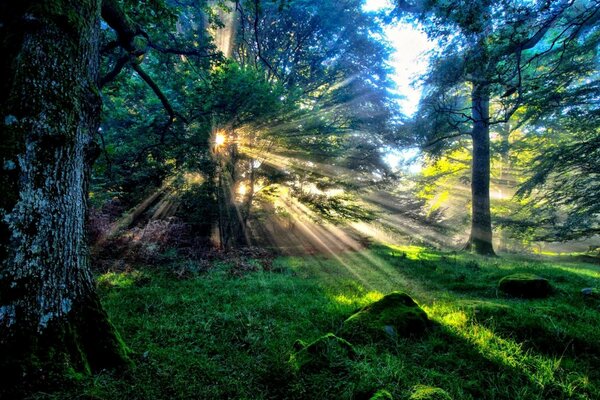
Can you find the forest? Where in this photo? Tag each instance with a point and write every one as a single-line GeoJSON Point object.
{"type": "Point", "coordinates": [300, 199]}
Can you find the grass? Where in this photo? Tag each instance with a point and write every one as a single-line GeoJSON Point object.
{"type": "Point", "coordinates": [220, 335]}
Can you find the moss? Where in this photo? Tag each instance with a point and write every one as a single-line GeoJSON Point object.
{"type": "Point", "coordinates": [382, 394]}
{"type": "Point", "coordinates": [99, 340]}
{"type": "Point", "coordinates": [422, 392]}
{"type": "Point", "coordinates": [327, 352]}
{"type": "Point", "coordinates": [121, 280]}
{"type": "Point", "coordinates": [591, 293]}
{"type": "Point", "coordinates": [525, 285]}
{"type": "Point", "coordinates": [395, 315]}
{"type": "Point", "coordinates": [70, 16]}
{"type": "Point", "coordinates": [63, 353]}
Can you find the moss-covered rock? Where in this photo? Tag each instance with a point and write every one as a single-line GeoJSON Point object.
{"type": "Point", "coordinates": [591, 293]}
{"type": "Point", "coordinates": [395, 315]}
{"type": "Point", "coordinates": [382, 394]}
{"type": "Point", "coordinates": [327, 352]}
{"type": "Point", "coordinates": [422, 392]}
{"type": "Point", "coordinates": [525, 285]}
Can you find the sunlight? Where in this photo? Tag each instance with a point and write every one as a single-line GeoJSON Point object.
{"type": "Point", "coordinates": [193, 178]}
{"type": "Point", "coordinates": [220, 138]}
{"type": "Point", "coordinates": [119, 279]}
{"type": "Point", "coordinates": [224, 35]}
{"type": "Point", "coordinates": [409, 59]}
{"type": "Point", "coordinates": [368, 230]}
{"type": "Point", "coordinates": [409, 160]}
{"type": "Point", "coordinates": [377, 5]}
{"type": "Point", "coordinates": [242, 189]}
{"type": "Point", "coordinates": [301, 200]}
{"type": "Point", "coordinates": [287, 163]}
{"type": "Point", "coordinates": [360, 301]}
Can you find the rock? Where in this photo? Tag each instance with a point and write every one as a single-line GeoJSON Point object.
{"type": "Point", "coordinates": [395, 315]}
{"type": "Point", "coordinates": [382, 394]}
{"type": "Point", "coordinates": [327, 352]}
{"type": "Point", "coordinates": [525, 285]}
{"type": "Point", "coordinates": [422, 392]}
{"type": "Point", "coordinates": [591, 293]}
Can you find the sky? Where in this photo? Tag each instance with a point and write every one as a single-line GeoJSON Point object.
{"type": "Point", "coordinates": [408, 59]}
{"type": "Point", "coordinates": [409, 62]}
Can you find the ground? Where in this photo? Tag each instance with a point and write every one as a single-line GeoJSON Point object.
{"type": "Point", "coordinates": [225, 333]}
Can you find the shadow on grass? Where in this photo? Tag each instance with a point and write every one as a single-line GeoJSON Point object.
{"type": "Point", "coordinates": [565, 323]}
{"type": "Point", "coordinates": [223, 336]}
{"type": "Point", "coordinates": [559, 333]}
{"type": "Point", "coordinates": [463, 366]}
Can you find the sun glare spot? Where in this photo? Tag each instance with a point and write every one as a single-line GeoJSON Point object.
{"type": "Point", "coordinates": [193, 178]}
{"type": "Point", "coordinates": [220, 138]}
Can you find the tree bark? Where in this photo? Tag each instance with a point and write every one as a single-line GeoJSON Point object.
{"type": "Point", "coordinates": [51, 320]}
{"type": "Point", "coordinates": [480, 240]}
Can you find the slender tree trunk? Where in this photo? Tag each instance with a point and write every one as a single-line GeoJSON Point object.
{"type": "Point", "coordinates": [249, 196]}
{"type": "Point", "coordinates": [504, 181]}
{"type": "Point", "coordinates": [51, 320]}
{"type": "Point", "coordinates": [480, 239]}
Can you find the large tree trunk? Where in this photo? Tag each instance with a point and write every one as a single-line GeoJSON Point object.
{"type": "Point", "coordinates": [51, 319]}
{"type": "Point", "coordinates": [480, 239]}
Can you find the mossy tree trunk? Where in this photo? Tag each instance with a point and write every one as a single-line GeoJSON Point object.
{"type": "Point", "coordinates": [51, 319]}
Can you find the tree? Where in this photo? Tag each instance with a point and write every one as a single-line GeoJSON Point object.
{"type": "Point", "coordinates": [51, 319]}
{"type": "Point", "coordinates": [491, 64]}
{"type": "Point", "coordinates": [561, 193]}
{"type": "Point", "coordinates": [329, 57]}
{"type": "Point", "coordinates": [50, 314]}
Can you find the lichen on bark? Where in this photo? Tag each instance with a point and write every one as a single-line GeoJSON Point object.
{"type": "Point", "coordinates": [51, 320]}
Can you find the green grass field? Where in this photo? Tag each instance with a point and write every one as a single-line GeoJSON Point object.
{"type": "Point", "coordinates": [225, 334]}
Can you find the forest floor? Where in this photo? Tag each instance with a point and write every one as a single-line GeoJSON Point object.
{"type": "Point", "coordinates": [226, 331]}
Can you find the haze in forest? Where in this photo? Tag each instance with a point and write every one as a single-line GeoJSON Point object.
{"type": "Point", "coordinates": [299, 199]}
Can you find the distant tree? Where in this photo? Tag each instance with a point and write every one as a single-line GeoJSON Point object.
{"type": "Point", "coordinates": [561, 193]}
{"type": "Point", "coordinates": [494, 58]}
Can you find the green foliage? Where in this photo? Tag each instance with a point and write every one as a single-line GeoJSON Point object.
{"type": "Point", "coordinates": [537, 64]}
{"type": "Point", "coordinates": [382, 395]}
{"type": "Point", "coordinates": [337, 208]}
{"type": "Point", "coordinates": [288, 90]}
{"type": "Point", "coordinates": [561, 193]}
{"type": "Point", "coordinates": [198, 207]}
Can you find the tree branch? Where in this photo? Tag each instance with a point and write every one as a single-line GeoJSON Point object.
{"type": "Point", "coordinates": [161, 96]}
{"type": "Point", "coordinates": [258, 44]}
{"type": "Point", "coordinates": [112, 74]}
{"type": "Point", "coordinates": [114, 16]}
{"type": "Point", "coordinates": [127, 32]}
{"type": "Point", "coordinates": [442, 138]}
